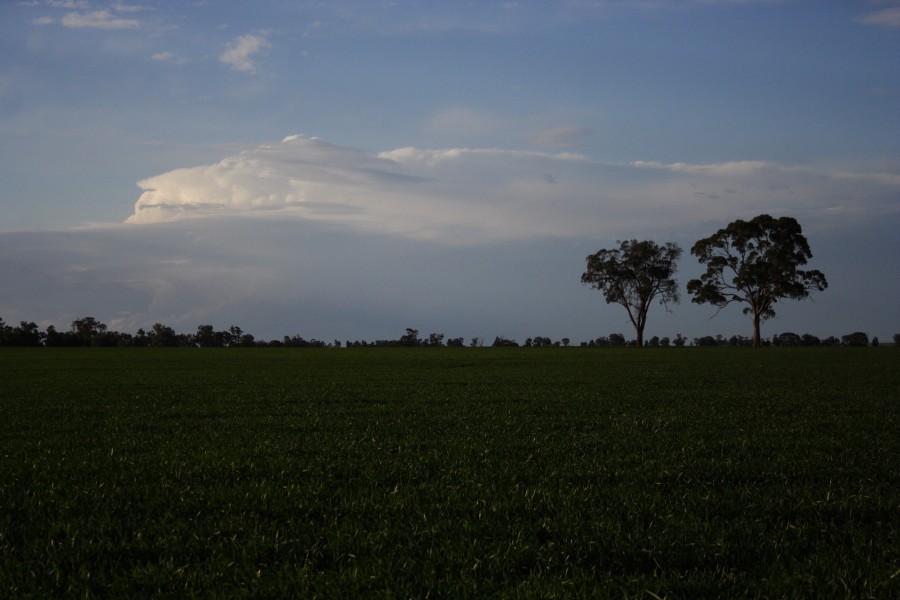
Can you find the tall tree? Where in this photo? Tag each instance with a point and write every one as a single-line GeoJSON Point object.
{"type": "Point", "coordinates": [633, 275]}
{"type": "Point", "coordinates": [756, 263]}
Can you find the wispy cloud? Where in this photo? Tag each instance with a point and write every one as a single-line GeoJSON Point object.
{"type": "Point", "coordinates": [886, 17]}
{"type": "Point", "coordinates": [562, 137]}
{"type": "Point", "coordinates": [239, 53]}
{"type": "Point", "coordinates": [69, 4]}
{"type": "Point", "coordinates": [129, 8]}
{"type": "Point", "coordinates": [98, 19]}
{"type": "Point", "coordinates": [168, 57]}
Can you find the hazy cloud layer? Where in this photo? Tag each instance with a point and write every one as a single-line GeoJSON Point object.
{"type": "Point", "coordinates": [482, 195]}
{"type": "Point", "coordinates": [319, 279]}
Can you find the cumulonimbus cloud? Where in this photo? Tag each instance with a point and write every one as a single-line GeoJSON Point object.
{"type": "Point", "coordinates": [478, 195]}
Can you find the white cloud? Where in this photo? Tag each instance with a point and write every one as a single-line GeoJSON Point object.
{"type": "Point", "coordinates": [43, 21]}
{"type": "Point", "coordinates": [239, 54]}
{"type": "Point", "coordinates": [481, 195]}
{"type": "Point", "coordinates": [98, 19]}
{"type": "Point", "coordinates": [886, 17]}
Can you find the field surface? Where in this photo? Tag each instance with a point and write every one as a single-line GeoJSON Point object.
{"type": "Point", "coordinates": [622, 473]}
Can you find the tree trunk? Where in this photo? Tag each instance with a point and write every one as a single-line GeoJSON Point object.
{"type": "Point", "coordinates": [756, 340]}
{"type": "Point", "coordinates": [640, 336]}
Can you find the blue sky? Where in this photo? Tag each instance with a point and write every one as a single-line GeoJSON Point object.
{"type": "Point", "coordinates": [350, 169]}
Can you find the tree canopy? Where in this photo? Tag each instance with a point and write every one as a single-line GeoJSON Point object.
{"type": "Point", "coordinates": [756, 263]}
{"type": "Point", "coordinates": [633, 275]}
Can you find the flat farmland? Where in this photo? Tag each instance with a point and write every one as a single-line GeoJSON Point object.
{"type": "Point", "coordinates": [470, 472]}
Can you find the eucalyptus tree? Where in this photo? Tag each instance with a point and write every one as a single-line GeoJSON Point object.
{"type": "Point", "coordinates": [634, 275]}
{"type": "Point", "coordinates": [756, 263]}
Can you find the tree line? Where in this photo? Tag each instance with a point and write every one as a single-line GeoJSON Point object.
{"type": "Point", "coordinates": [90, 332]}
{"type": "Point", "coordinates": [753, 263]}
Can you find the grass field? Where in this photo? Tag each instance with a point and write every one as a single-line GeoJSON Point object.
{"type": "Point", "coordinates": [679, 473]}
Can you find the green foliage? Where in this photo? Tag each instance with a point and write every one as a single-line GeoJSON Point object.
{"type": "Point", "coordinates": [453, 472]}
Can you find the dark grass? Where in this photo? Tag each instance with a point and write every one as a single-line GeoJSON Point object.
{"type": "Point", "coordinates": [679, 473]}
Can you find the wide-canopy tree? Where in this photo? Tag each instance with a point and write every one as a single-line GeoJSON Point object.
{"type": "Point", "coordinates": [633, 275]}
{"type": "Point", "coordinates": [757, 263]}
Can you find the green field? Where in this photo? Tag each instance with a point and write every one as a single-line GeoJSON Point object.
{"type": "Point", "coordinates": [679, 473]}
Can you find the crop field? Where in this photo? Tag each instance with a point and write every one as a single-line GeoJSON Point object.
{"type": "Point", "coordinates": [472, 472]}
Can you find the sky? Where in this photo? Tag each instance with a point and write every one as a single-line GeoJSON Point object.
{"type": "Point", "coordinates": [348, 169]}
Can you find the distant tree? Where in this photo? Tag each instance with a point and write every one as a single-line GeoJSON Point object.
{"type": "Point", "coordinates": [207, 337]}
{"type": "Point", "coordinates": [706, 340]}
{"type": "Point", "coordinates": [755, 262]}
{"type": "Point", "coordinates": [501, 341]}
{"type": "Point", "coordinates": [435, 339]}
{"type": "Point", "coordinates": [897, 340]}
{"type": "Point", "coordinates": [565, 342]}
{"type": "Point", "coordinates": [634, 275]}
{"type": "Point", "coordinates": [87, 328]}
{"type": "Point", "coordinates": [875, 342]}
{"type": "Point", "coordinates": [163, 336]}
{"type": "Point", "coordinates": [141, 339]}
{"type": "Point", "coordinates": [831, 341]}
{"type": "Point", "coordinates": [26, 334]}
{"type": "Point", "coordinates": [410, 338]}
{"type": "Point", "coordinates": [664, 342]}
{"type": "Point", "coordinates": [855, 339]}
{"type": "Point", "coordinates": [679, 340]}
{"type": "Point", "coordinates": [787, 339]}
{"type": "Point", "coordinates": [232, 337]}
{"type": "Point", "coordinates": [810, 340]}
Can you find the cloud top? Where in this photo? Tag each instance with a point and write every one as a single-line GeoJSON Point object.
{"type": "Point", "coordinates": [479, 195]}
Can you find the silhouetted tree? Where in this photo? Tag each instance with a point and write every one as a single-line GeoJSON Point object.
{"type": "Point", "coordinates": [787, 339]}
{"type": "Point", "coordinates": [87, 328]}
{"type": "Point", "coordinates": [855, 339]}
{"type": "Point", "coordinates": [633, 275]}
{"type": "Point", "coordinates": [163, 336]}
{"type": "Point", "coordinates": [410, 338]}
{"type": "Point", "coordinates": [755, 262]}
{"type": "Point", "coordinates": [26, 334]}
